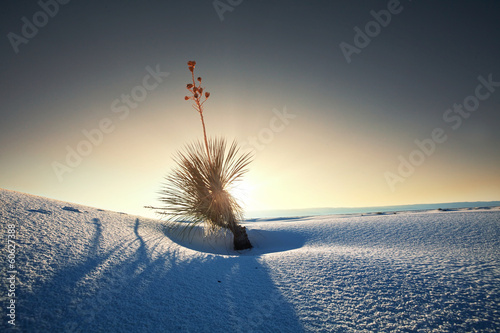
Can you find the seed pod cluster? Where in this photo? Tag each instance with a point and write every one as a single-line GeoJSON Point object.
{"type": "Point", "coordinates": [196, 90]}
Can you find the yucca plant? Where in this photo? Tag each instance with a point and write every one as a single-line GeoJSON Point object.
{"type": "Point", "coordinates": [197, 190]}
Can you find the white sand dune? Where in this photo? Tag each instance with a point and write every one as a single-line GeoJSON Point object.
{"type": "Point", "coordinates": [82, 269]}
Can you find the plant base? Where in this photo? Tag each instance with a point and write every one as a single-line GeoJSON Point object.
{"type": "Point", "coordinates": [241, 241]}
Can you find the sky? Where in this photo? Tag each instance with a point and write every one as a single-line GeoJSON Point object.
{"type": "Point", "coordinates": [344, 104]}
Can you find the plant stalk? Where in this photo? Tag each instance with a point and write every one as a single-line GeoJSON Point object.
{"type": "Point", "coordinates": [200, 111]}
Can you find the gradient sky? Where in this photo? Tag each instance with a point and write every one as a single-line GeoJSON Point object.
{"type": "Point", "coordinates": [352, 121]}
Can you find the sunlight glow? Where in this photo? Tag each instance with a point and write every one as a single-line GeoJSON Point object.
{"type": "Point", "coordinates": [243, 191]}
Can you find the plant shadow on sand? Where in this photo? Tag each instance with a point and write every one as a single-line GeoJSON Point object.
{"type": "Point", "coordinates": [144, 283]}
{"type": "Point", "coordinates": [50, 301]}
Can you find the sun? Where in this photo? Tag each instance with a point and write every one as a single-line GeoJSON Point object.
{"type": "Point", "coordinates": [242, 191]}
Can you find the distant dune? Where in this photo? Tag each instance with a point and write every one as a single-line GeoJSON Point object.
{"type": "Point", "coordinates": [359, 210]}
